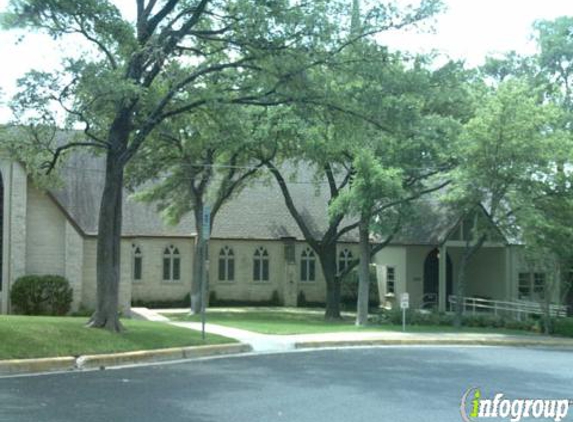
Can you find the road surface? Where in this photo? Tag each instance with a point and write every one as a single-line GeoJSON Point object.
{"type": "Point", "coordinates": [346, 385]}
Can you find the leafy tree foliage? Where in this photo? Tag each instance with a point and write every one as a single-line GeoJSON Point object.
{"type": "Point", "coordinates": [205, 159]}
{"type": "Point", "coordinates": [175, 56]}
{"type": "Point", "coordinates": [501, 150]}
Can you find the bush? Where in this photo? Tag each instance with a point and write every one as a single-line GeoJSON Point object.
{"type": "Point", "coordinates": [413, 317]}
{"type": "Point", "coordinates": [275, 299]}
{"type": "Point", "coordinates": [527, 325]}
{"type": "Point", "coordinates": [301, 300]}
{"type": "Point", "coordinates": [184, 302]}
{"type": "Point", "coordinates": [563, 327]}
{"type": "Point", "coordinates": [41, 295]}
{"type": "Point", "coordinates": [349, 288]}
{"type": "Point", "coordinates": [483, 321]}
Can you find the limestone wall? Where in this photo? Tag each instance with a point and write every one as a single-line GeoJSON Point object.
{"type": "Point", "coordinates": [14, 251]}
{"type": "Point", "coordinates": [152, 287]}
{"type": "Point", "coordinates": [46, 235]}
{"type": "Point", "coordinates": [392, 256]}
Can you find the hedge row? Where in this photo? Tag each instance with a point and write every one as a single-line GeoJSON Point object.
{"type": "Point", "coordinates": [560, 326]}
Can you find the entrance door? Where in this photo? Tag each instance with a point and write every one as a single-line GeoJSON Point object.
{"type": "Point", "coordinates": [432, 276]}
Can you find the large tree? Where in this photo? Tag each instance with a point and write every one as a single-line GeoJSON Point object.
{"type": "Point", "coordinates": [204, 159]}
{"type": "Point", "coordinates": [499, 153]}
{"type": "Point", "coordinates": [374, 187]}
{"type": "Point", "coordinates": [544, 211]}
{"type": "Point", "coordinates": [403, 113]}
{"type": "Point", "coordinates": [167, 58]}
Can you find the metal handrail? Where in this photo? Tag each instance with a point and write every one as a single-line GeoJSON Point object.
{"type": "Point", "coordinates": [520, 307]}
{"type": "Point", "coordinates": [429, 300]}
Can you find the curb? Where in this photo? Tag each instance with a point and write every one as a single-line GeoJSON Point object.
{"type": "Point", "coordinates": [102, 361]}
{"type": "Point", "coordinates": [431, 342]}
{"type": "Point", "coordinates": [24, 366]}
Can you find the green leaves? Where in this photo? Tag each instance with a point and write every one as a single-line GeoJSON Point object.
{"type": "Point", "coordinates": [373, 186]}
{"type": "Point", "coordinates": [502, 147]}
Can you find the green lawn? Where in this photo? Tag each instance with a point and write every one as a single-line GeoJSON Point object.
{"type": "Point", "coordinates": [24, 337]}
{"type": "Point", "coordinates": [288, 322]}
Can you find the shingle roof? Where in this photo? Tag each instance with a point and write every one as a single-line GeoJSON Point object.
{"type": "Point", "coordinates": [257, 212]}
{"type": "Point", "coordinates": [83, 177]}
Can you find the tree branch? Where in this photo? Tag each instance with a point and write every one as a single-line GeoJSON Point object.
{"type": "Point", "coordinates": [292, 207]}
{"type": "Point", "coordinates": [50, 165]}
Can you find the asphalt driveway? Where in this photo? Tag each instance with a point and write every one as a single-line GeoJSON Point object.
{"type": "Point", "coordinates": [345, 385]}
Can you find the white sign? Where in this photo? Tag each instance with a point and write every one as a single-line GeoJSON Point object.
{"type": "Point", "coordinates": [206, 222]}
{"type": "Point", "coordinates": [404, 301]}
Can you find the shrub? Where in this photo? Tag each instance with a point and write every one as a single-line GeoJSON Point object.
{"type": "Point", "coordinates": [212, 298]}
{"type": "Point", "coordinates": [41, 295]}
{"type": "Point", "coordinates": [483, 321]}
{"type": "Point", "coordinates": [301, 299]}
{"type": "Point", "coordinates": [214, 301]}
{"type": "Point", "coordinates": [527, 325]}
{"type": "Point", "coordinates": [275, 299]}
{"type": "Point", "coordinates": [184, 302]}
{"type": "Point", "coordinates": [349, 288]}
{"type": "Point", "coordinates": [563, 327]}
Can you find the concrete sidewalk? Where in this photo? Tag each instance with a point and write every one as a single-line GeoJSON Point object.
{"type": "Point", "coordinates": [258, 342]}
{"type": "Point", "coordinates": [279, 343]}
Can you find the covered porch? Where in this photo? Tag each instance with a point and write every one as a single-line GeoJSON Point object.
{"type": "Point", "coordinates": [489, 274]}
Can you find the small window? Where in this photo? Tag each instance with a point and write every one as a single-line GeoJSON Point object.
{"type": "Point", "coordinates": [226, 264]}
{"type": "Point", "coordinates": [390, 280]}
{"type": "Point", "coordinates": [261, 265]}
{"type": "Point", "coordinates": [524, 285]}
{"type": "Point", "coordinates": [539, 285]}
{"type": "Point", "coordinates": [137, 263]}
{"type": "Point", "coordinates": [531, 286]}
{"type": "Point", "coordinates": [344, 260]}
{"type": "Point", "coordinates": [307, 265]}
{"type": "Point", "coordinates": [171, 264]}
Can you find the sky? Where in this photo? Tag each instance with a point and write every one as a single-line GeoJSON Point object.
{"type": "Point", "coordinates": [467, 30]}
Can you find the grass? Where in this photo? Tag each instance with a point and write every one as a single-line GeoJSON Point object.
{"type": "Point", "coordinates": [301, 322]}
{"type": "Point", "coordinates": [25, 337]}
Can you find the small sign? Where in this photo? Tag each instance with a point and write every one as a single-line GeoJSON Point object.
{"type": "Point", "coordinates": [206, 222]}
{"type": "Point", "coordinates": [404, 301]}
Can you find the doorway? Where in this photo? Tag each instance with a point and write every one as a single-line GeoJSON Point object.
{"type": "Point", "coordinates": [432, 275]}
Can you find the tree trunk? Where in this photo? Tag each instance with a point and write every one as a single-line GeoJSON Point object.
{"type": "Point", "coordinates": [106, 314]}
{"type": "Point", "coordinates": [198, 260]}
{"type": "Point", "coordinates": [363, 274]}
{"type": "Point", "coordinates": [460, 290]}
{"type": "Point", "coordinates": [567, 286]}
{"type": "Point", "coordinates": [328, 265]}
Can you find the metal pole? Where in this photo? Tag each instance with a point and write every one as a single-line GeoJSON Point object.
{"type": "Point", "coordinates": [203, 286]}
{"type": "Point", "coordinates": [404, 320]}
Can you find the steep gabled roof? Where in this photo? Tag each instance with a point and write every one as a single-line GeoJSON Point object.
{"type": "Point", "coordinates": [83, 182]}
{"type": "Point", "coordinates": [257, 212]}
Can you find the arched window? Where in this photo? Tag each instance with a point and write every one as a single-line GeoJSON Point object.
{"type": "Point", "coordinates": [137, 267]}
{"type": "Point", "coordinates": [226, 264]}
{"type": "Point", "coordinates": [344, 260]}
{"type": "Point", "coordinates": [307, 265]}
{"type": "Point", "coordinates": [261, 265]}
{"type": "Point", "coordinates": [171, 264]}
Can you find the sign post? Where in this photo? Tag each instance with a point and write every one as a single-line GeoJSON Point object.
{"type": "Point", "coordinates": [206, 231]}
{"type": "Point", "coordinates": [404, 305]}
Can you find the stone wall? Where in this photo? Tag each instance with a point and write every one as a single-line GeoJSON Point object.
{"type": "Point", "coordinates": [152, 287]}
{"type": "Point", "coordinates": [15, 183]}
{"type": "Point", "coordinates": [46, 235]}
